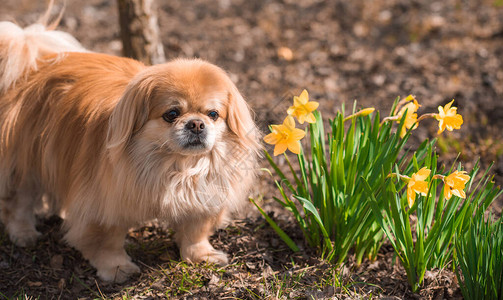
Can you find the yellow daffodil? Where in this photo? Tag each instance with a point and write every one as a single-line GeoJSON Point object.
{"type": "Point", "coordinates": [455, 184]}
{"type": "Point", "coordinates": [303, 109]}
{"type": "Point", "coordinates": [285, 136]}
{"type": "Point", "coordinates": [410, 118]}
{"type": "Point", "coordinates": [417, 184]}
{"type": "Point", "coordinates": [448, 118]}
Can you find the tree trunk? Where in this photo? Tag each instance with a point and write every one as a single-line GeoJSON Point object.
{"type": "Point", "coordinates": [140, 31]}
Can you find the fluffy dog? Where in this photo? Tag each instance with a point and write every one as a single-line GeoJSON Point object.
{"type": "Point", "coordinates": [113, 143]}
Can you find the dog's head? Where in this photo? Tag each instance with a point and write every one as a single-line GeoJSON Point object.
{"type": "Point", "coordinates": [184, 107]}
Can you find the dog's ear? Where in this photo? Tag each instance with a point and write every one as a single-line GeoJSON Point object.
{"type": "Point", "coordinates": [240, 121]}
{"type": "Point", "coordinates": [129, 115]}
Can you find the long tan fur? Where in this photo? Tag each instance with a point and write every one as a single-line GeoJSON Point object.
{"type": "Point", "coordinates": [88, 130]}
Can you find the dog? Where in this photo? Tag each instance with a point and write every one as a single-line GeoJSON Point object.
{"type": "Point", "coordinates": [112, 143]}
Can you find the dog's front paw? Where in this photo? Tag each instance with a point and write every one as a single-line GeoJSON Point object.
{"type": "Point", "coordinates": [203, 251]}
{"type": "Point", "coordinates": [118, 273]}
{"type": "Point", "coordinates": [216, 257]}
{"type": "Point", "coordinates": [23, 236]}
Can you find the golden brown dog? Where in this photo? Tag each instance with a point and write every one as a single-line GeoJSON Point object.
{"type": "Point", "coordinates": [114, 143]}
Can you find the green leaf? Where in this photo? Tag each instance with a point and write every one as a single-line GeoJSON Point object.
{"type": "Point", "coordinates": [276, 228]}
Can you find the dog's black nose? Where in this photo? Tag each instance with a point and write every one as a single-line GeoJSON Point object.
{"type": "Point", "coordinates": [195, 126]}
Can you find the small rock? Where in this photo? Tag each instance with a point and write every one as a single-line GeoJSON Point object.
{"type": "Point", "coordinates": [71, 23]}
{"type": "Point", "coordinates": [435, 22]}
{"type": "Point", "coordinates": [385, 16]}
{"type": "Point", "coordinates": [250, 266]}
{"type": "Point", "coordinates": [115, 45]}
{"type": "Point", "coordinates": [329, 291]}
{"type": "Point", "coordinates": [373, 266]}
{"type": "Point", "coordinates": [285, 53]}
{"type": "Point", "coordinates": [379, 79]}
{"type": "Point", "coordinates": [360, 30]}
{"type": "Point", "coordinates": [429, 275]}
{"type": "Point", "coordinates": [57, 261]}
{"type": "Point", "coordinates": [214, 280]}
{"type": "Point", "coordinates": [158, 285]}
{"type": "Point", "coordinates": [267, 271]}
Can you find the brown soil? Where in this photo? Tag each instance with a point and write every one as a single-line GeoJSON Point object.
{"type": "Point", "coordinates": [371, 51]}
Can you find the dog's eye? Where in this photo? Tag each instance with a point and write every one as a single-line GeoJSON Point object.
{"type": "Point", "coordinates": [171, 115]}
{"type": "Point", "coordinates": [213, 115]}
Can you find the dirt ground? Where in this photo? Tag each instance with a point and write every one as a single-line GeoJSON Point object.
{"type": "Point", "coordinates": [341, 51]}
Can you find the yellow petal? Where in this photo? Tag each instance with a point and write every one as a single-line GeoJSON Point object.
{"type": "Point", "coordinates": [411, 108]}
{"type": "Point", "coordinates": [290, 110]}
{"type": "Point", "coordinates": [296, 113]}
{"type": "Point", "coordinates": [410, 121]}
{"type": "Point", "coordinates": [441, 126]}
{"type": "Point", "coordinates": [459, 193]}
{"type": "Point", "coordinates": [421, 187]}
{"type": "Point", "coordinates": [304, 97]}
{"type": "Point", "coordinates": [311, 106]}
{"type": "Point", "coordinates": [462, 176]}
{"type": "Point", "coordinates": [310, 118]}
{"type": "Point", "coordinates": [451, 112]}
{"type": "Point", "coordinates": [297, 101]}
{"type": "Point", "coordinates": [410, 98]}
{"type": "Point", "coordinates": [454, 121]}
{"type": "Point", "coordinates": [416, 104]}
{"type": "Point", "coordinates": [280, 148]}
{"type": "Point", "coordinates": [294, 147]}
{"type": "Point", "coordinates": [411, 197]}
{"type": "Point", "coordinates": [403, 132]}
{"type": "Point", "coordinates": [297, 134]}
{"type": "Point", "coordinates": [289, 122]}
{"type": "Point", "coordinates": [423, 173]}
{"type": "Point", "coordinates": [301, 118]}
{"type": "Point", "coordinates": [447, 192]}
{"type": "Point", "coordinates": [272, 138]}
{"type": "Point", "coordinates": [456, 176]}
{"type": "Point", "coordinates": [448, 105]}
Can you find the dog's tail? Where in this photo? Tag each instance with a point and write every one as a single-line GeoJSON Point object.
{"type": "Point", "coordinates": [20, 49]}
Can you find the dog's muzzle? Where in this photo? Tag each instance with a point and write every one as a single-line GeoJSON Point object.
{"type": "Point", "coordinates": [195, 133]}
